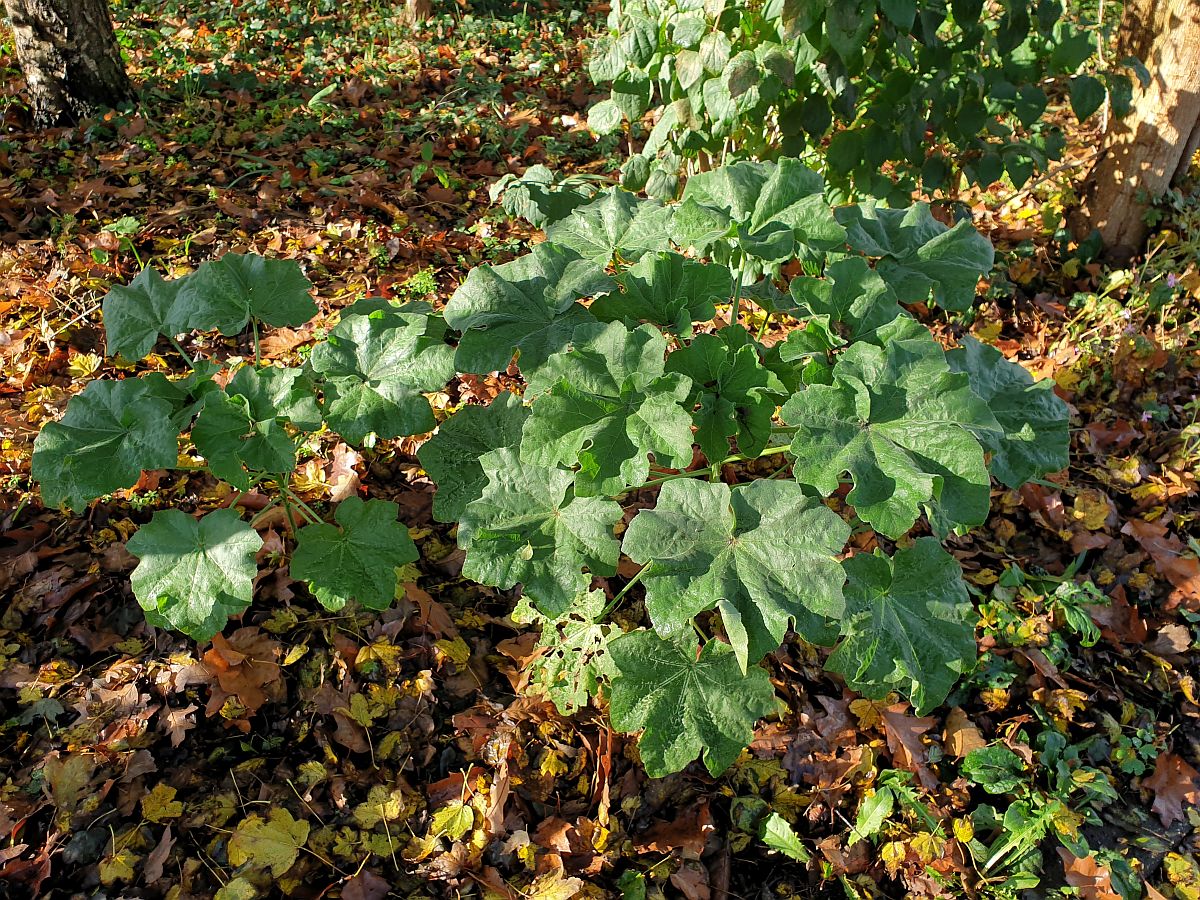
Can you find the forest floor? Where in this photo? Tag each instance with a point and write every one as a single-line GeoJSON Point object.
{"type": "Point", "coordinates": [358, 754]}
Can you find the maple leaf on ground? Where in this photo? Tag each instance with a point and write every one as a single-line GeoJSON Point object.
{"type": "Point", "coordinates": [1176, 788]}
{"type": "Point", "coordinates": [272, 843]}
{"type": "Point", "coordinates": [243, 666]}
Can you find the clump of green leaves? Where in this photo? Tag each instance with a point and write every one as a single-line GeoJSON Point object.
{"type": "Point", "coordinates": [721, 456]}
{"type": "Point", "coordinates": [935, 89]}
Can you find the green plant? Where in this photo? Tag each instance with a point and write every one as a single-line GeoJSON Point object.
{"type": "Point", "coordinates": [631, 398]}
{"type": "Point", "coordinates": [932, 89]}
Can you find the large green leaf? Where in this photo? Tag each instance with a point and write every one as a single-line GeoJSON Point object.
{"type": "Point", "coordinates": [527, 305]}
{"type": "Point", "coordinates": [606, 406]}
{"type": "Point", "coordinates": [111, 431]}
{"type": "Point", "coordinates": [226, 293]}
{"type": "Point", "coordinates": [192, 575]}
{"type": "Point", "coordinates": [909, 625]}
{"type": "Point", "coordinates": [919, 253]}
{"type": "Point", "coordinates": [666, 289]}
{"type": "Point", "coordinates": [766, 199]}
{"type": "Point", "coordinates": [356, 559]}
{"type": "Point", "coordinates": [850, 302]}
{"type": "Point", "coordinates": [229, 437]}
{"type": "Point", "coordinates": [685, 702]}
{"type": "Point", "coordinates": [276, 392]}
{"type": "Point", "coordinates": [898, 420]}
{"type": "Point", "coordinates": [733, 392]}
{"type": "Point", "coordinates": [376, 368]}
{"type": "Point", "coordinates": [529, 527]}
{"type": "Point", "coordinates": [1033, 438]}
{"type": "Point", "coordinates": [451, 457]}
{"type": "Point", "coordinates": [615, 223]}
{"type": "Point", "coordinates": [137, 314]}
{"type": "Point", "coordinates": [763, 553]}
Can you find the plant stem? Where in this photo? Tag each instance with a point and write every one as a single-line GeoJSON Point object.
{"type": "Point", "coordinates": [257, 351]}
{"type": "Point", "coordinates": [304, 507]}
{"type": "Point", "coordinates": [736, 311]}
{"type": "Point", "coordinates": [770, 451]}
{"type": "Point", "coordinates": [693, 473]}
{"type": "Point", "coordinates": [191, 363]}
{"type": "Point", "coordinates": [615, 601]}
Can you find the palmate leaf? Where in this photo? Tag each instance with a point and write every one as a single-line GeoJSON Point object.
{"type": "Point", "coordinates": [226, 293]}
{"type": "Point", "coordinates": [111, 431]}
{"type": "Point", "coordinates": [909, 625]}
{"type": "Point", "coordinates": [919, 253]}
{"type": "Point", "coordinates": [606, 405]}
{"type": "Point", "coordinates": [899, 421]}
{"type": "Point", "coordinates": [356, 559]}
{"type": "Point", "coordinates": [668, 290]}
{"type": "Point", "coordinates": [615, 222]}
{"type": "Point", "coordinates": [850, 302]}
{"type": "Point", "coordinates": [192, 575]}
{"type": "Point", "coordinates": [241, 428]}
{"type": "Point", "coordinates": [685, 702]}
{"type": "Point", "coordinates": [763, 553]}
{"type": "Point", "coordinates": [451, 457]}
{"type": "Point", "coordinates": [376, 368]}
{"type": "Point", "coordinates": [768, 201]}
{"type": "Point", "coordinates": [1033, 438]}
{"type": "Point", "coordinates": [732, 390]}
{"type": "Point", "coordinates": [528, 527]}
{"type": "Point", "coordinates": [527, 306]}
{"type": "Point", "coordinates": [137, 314]}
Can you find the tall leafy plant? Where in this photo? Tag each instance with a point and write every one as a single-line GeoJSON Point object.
{"type": "Point", "coordinates": [653, 427]}
{"type": "Point", "coordinates": [908, 92]}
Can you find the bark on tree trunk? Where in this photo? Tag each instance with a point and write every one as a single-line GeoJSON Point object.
{"type": "Point", "coordinates": [69, 56]}
{"type": "Point", "coordinates": [1152, 146]}
{"type": "Point", "coordinates": [416, 11]}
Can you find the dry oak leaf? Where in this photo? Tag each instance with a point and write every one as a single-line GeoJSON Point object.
{"type": "Point", "coordinates": [961, 735]}
{"type": "Point", "coordinates": [904, 741]}
{"type": "Point", "coordinates": [1165, 549]}
{"type": "Point", "coordinates": [1093, 880]}
{"type": "Point", "coordinates": [1176, 787]}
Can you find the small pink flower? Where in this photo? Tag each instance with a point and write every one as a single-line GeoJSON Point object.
{"type": "Point", "coordinates": [1172, 279]}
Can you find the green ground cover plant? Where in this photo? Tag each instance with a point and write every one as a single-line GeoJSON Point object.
{"type": "Point", "coordinates": [763, 460]}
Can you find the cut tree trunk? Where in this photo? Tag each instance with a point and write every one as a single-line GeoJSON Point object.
{"type": "Point", "coordinates": [69, 57]}
{"type": "Point", "coordinates": [1147, 150]}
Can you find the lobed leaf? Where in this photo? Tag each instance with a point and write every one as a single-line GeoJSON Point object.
{"type": "Point", "coordinates": [193, 574]}
{"type": "Point", "coordinates": [1033, 438]}
{"type": "Point", "coordinates": [528, 527]}
{"type": "Point", "coordinates": [685, 702]}
{"type": "Point", "coordinates": [356, 559]}
{"type": "Point", "coordinates": [762, 553]}
{"type": "Point", "coordinates": [376, 368]}
{"type": "Point", "coordinates": [919, 254]}
{"type": "Point", "coordinates": [607, 406]}
{"type": "Point", "coordinates": [900, 422]}
{"type": "Point", "coordinates": [615, 223]}
{"type": "Point", "coordinates": [668, 290]}
{"type": "Point", "coordinates": [527, 306]}
{"type": "Point", "coordinates": [137, 314]}
{"type": "Point", "coordinates": [732, 391]}
{"type": "Point", "coordinates": [111, 431]}
{"type": "Point", "coordinates": [909, 625]}
{"type": "Point", "coordinates": [225, 294]}
{"type": "Point", "coordinates": [451, 457]}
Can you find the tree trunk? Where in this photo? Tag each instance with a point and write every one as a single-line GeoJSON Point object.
{"type": "Point", "coordinates": [1153, 145]}
{"type": "Point", "coordinates": [69, 56]}
{"type": "Point", "coordinates": [416, 11]}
